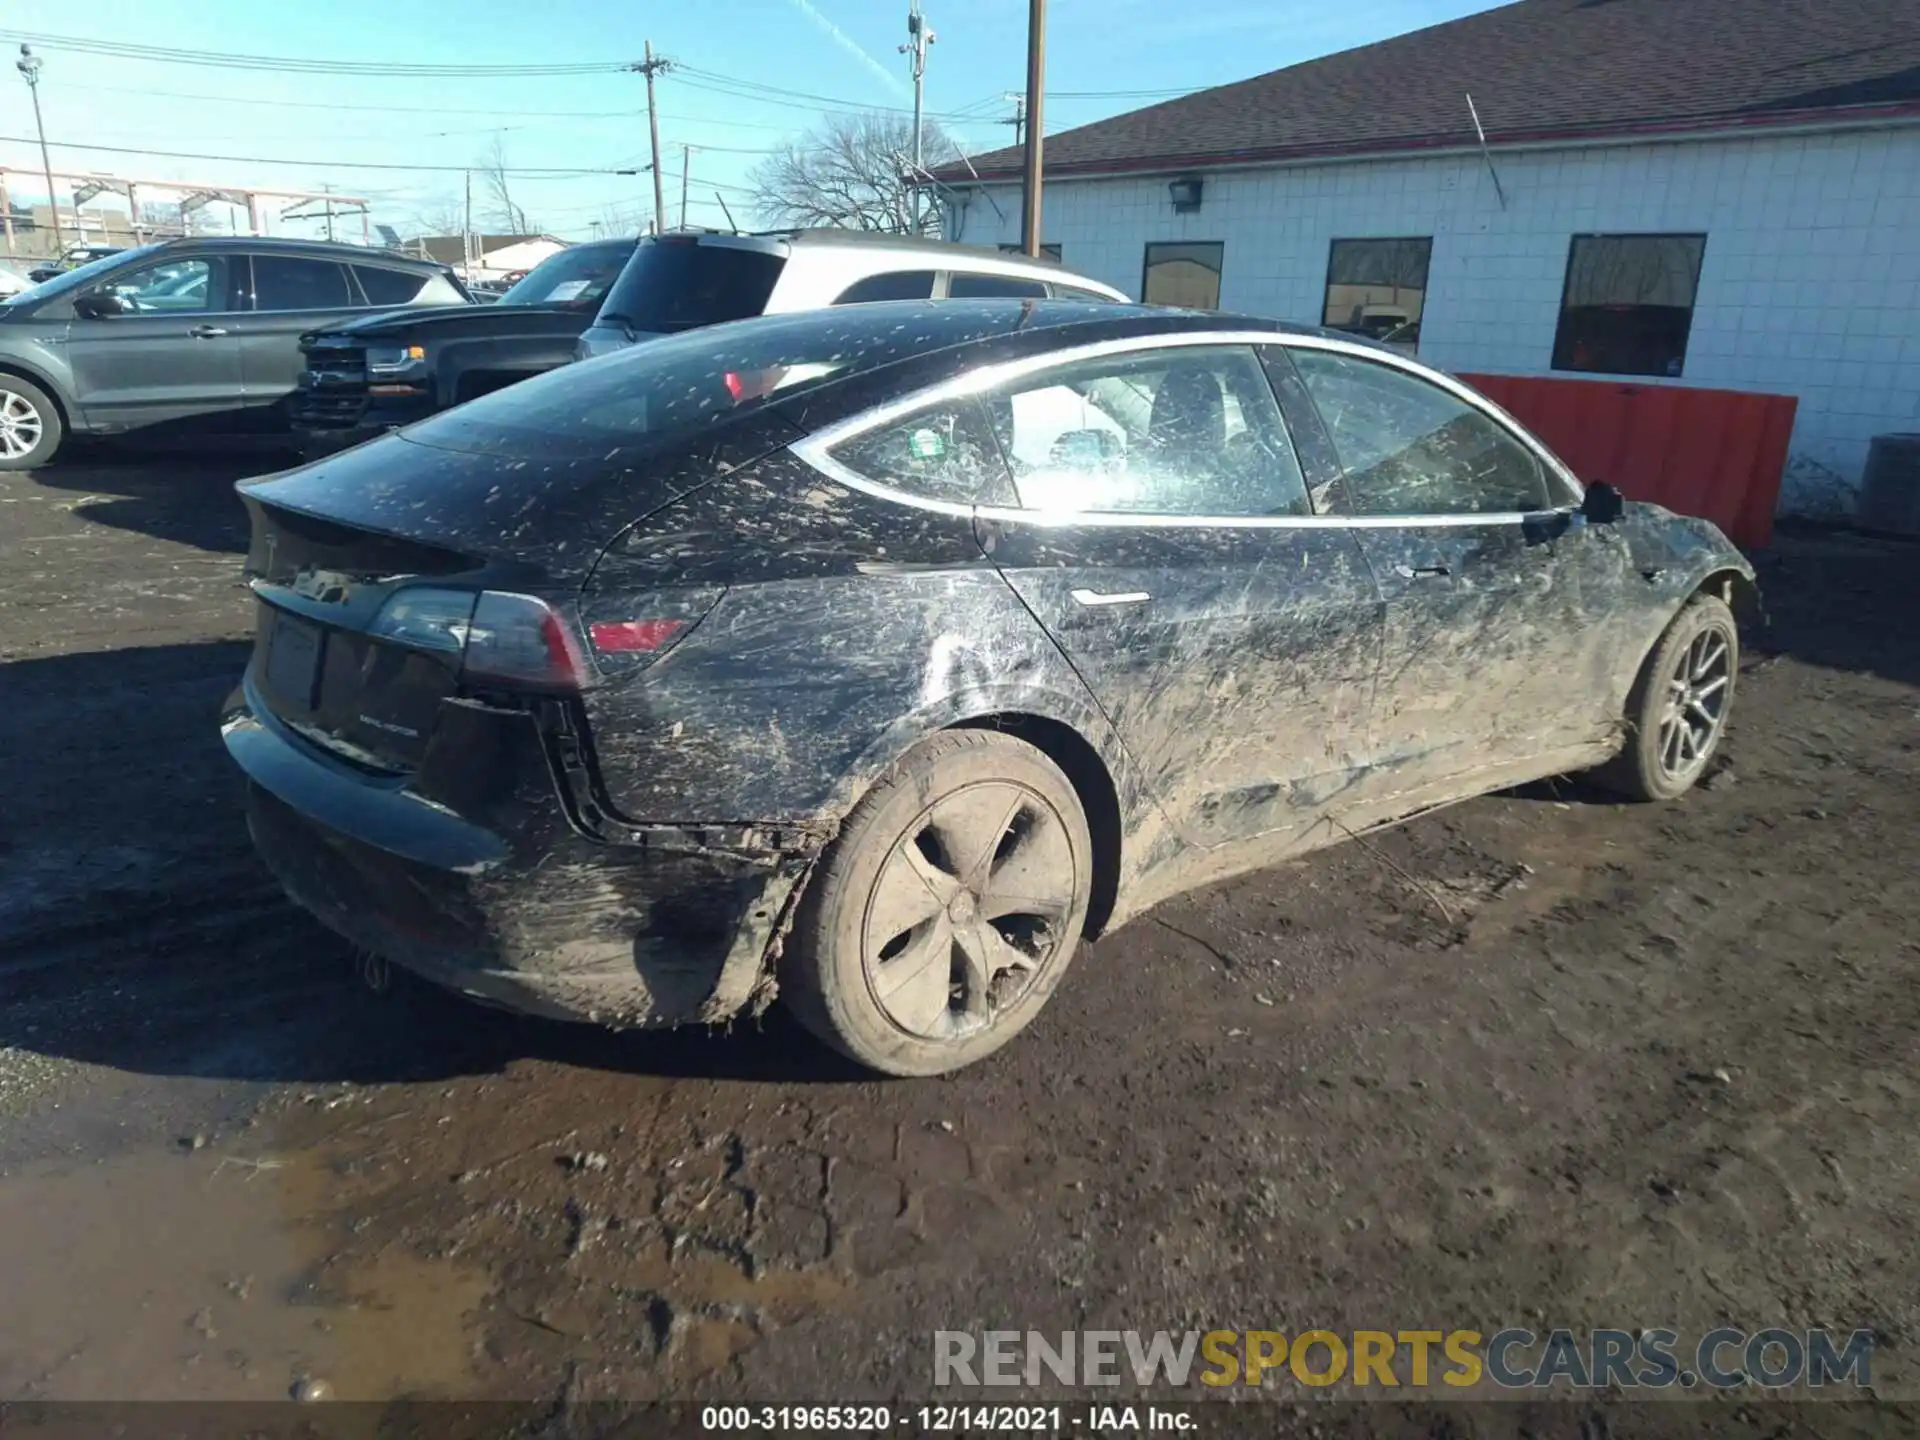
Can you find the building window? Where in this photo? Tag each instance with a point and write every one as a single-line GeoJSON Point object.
{"type": "Point", "coordinates": [1378, 288]}
{"type": "Point", "coordinates": [1183, 273]}
{"type": "Point", "coordinates": [1628, 305]}
{"type": "Point", "coordinates": [1052, 252]}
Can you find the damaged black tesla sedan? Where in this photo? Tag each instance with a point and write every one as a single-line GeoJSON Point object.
{"type": "Point", "coordinates": [876, 656]}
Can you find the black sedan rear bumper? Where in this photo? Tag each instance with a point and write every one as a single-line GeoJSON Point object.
{"type": "Point", "coordinates": [542, 920]}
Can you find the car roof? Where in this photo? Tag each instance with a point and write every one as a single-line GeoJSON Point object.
{"type": "Point", "coordinates": [315, 249]}
{"type": "Point", "coordinates": [911, 343]}
{"type": "Point", "coordinates": [827, 237]}
{"type": "Point", "coordinates": [1090, 320]}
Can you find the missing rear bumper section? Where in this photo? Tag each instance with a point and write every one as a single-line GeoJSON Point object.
{"type": "Point", "coordinates": [663, 928]}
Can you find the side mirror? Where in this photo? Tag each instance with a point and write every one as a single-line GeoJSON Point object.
{"type": "Point", "coordinates": [100, 305]}
{"type": "Point", "coordinates": [1603, 504]}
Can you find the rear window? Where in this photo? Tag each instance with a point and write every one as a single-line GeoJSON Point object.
{"type": "Point", "coordinates": [672, 285]}
{"type": "Point", "coordinates": [578, 279]}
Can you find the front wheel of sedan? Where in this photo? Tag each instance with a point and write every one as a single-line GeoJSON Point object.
{"type": "Point", "coordinates": [941, 919]}
{"type": "Point", "coordinates": [1677, 713]}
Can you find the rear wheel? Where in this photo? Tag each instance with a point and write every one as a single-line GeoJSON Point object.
{"type": "Point", "coordinates": [1678, 710]}
{"type": "Point", "coordinates": [942, 918]}
{"type": "Point", "coordinates": [30, 428]}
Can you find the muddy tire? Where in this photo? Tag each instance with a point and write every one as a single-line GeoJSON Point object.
{"type": "Point", "coordinates": [1677, 712]}
{"type": "Point", "coordinates": [940, 920]}
{"type": "Point", "coordinates": [30, 428]}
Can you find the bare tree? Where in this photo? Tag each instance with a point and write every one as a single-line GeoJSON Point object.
{"type": "Point", "coordinates": [441, 215]}
{"type": "Point", "coordinates": [853, 171]}
{"type": "Point", "coordinates": [161, 218]}
{"type": "Point", "coordinates": [493, 171]}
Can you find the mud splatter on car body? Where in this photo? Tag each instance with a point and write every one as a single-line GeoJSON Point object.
{"type": "Point", "coordinates": [728, 632]}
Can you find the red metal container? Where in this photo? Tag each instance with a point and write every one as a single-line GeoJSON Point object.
{"type": "Point", "coordinates": [1716, 453]}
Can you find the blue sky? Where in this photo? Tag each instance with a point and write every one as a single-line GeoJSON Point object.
{"type": "Point", "coordinates": [840, 49]}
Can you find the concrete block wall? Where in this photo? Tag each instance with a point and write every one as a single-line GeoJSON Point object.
{"type": "Point", "coordinates": [1810, 284]}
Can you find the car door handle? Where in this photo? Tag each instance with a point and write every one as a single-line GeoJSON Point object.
{"type": "Point", "coordinates": [206, 332]}
{"type": "Point", "coordinates": [1415, 572]}
{"type": "Point", "coordinates": [1123, 597]}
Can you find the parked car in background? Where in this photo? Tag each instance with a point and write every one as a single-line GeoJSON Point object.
{"type": "Point", "coordinates": [678, 281]}
{"type": "Point", "coordinates": [204, 332]}
{"type": "Point", "coordinates": [876, 655]}
{"type": "Point", "coordinates": [370, 375]}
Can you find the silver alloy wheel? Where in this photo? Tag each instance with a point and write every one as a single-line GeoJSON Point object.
{"type": "Point", "coordinates": [969, 907]}
{"type": "Point", "coordinates": [21, 427]}
{"type": "Point", "coordinates": [1696, 707]}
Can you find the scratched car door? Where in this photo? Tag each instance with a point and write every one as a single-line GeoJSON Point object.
{"type": "Point", "coordinates": [1233, 651]}
{"type": "Point", "coordinates": [1492, 652]}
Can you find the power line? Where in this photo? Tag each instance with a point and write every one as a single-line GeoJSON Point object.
{"type": "Point", "coordinates": [348, 107]}
{"type": "Point", "coordinates": [779, 95]}
{"type": "Point", "coordinates": [289, 64]}
{"type": "Point", "coordinates": [551, 172]}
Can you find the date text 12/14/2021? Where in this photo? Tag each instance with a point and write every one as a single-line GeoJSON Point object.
{"type": "Point", "coordinates": [949, 1419]}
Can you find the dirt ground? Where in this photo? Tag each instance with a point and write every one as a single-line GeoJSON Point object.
{"type": "Point", "coordinates": [1540, 1060]}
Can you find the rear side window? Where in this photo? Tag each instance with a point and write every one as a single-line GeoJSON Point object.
{"type": "Point", "coordinates": [896, 285]}
{"type": "Point", "coordinates": [1178, 431]}
{"type": "Point", "coordinates": [964, 286]}
{"type": "Point", "coordinates": [390, 287]}
{"type": "Point", "coordinates": [672, 285]}
{"type": "Point", "coordinates": [288, 282]}
{"type": "Point", "coordinates": [1074, 292]}
{"type": "Point", "coordinates": [946, 453]}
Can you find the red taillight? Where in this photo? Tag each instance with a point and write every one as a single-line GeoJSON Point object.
{"type": "Point", "coordinates": [497, 635]}
{"type": "Point", "coordinates": [736, 387]}
{"type": "Point", "coordinates": [520, 638]}
{"type": "Point", "coordinates": [633, 637]}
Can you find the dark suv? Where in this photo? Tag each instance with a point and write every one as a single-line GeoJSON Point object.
{"type": "Point", "coordinates": [203, 333]}
{"type": "Point", "coordinates": [379, 372]}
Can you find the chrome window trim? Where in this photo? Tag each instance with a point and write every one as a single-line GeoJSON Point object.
{"type": "Point", "coordinates": [814, 448]}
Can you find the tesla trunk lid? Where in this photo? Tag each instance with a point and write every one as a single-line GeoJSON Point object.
{"type": "Point", "coordinates": [397, 527]}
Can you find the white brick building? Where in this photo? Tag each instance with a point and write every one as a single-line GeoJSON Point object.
{"type": "Point", "coordinates": [1724, 228]}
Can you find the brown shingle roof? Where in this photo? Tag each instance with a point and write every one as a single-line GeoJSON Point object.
{"type": "Point", "coordinates": [1536, 69]}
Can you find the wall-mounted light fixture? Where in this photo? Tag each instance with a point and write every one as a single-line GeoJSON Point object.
{"type": "Point", "coordinates": [1186, 194]}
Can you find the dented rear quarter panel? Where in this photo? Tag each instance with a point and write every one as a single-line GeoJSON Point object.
{"type": "Point", "coordinates": [850, 628]}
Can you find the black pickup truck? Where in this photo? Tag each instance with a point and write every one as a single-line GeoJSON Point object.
{"type": "Point", "coordinates": [369, 376]}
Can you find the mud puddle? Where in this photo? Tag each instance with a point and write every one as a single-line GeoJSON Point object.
{"type": "Point", "coordinates": [201, 1276]}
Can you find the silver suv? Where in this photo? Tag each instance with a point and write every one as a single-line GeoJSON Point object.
{"type": "Point", "coordinates": [687, 279]}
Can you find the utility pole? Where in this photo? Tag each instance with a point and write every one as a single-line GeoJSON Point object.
{"type": "Point", "coordinates": [1018, 120]}
{"type": "Point", "coordinates": [329, 190]}
{"type": "Point", "coordinates": [650, 67]}
{"type": "Point", "coordinates": [919, 36]}
{"type": "Point", "coordinates": [29, 66]}
{"type": "Point", "coordinates": [466, 232]}
{"type": "Point", "coordinates": [1036, 81]}
{"type": "Point", "coordinates": [686, 155]}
